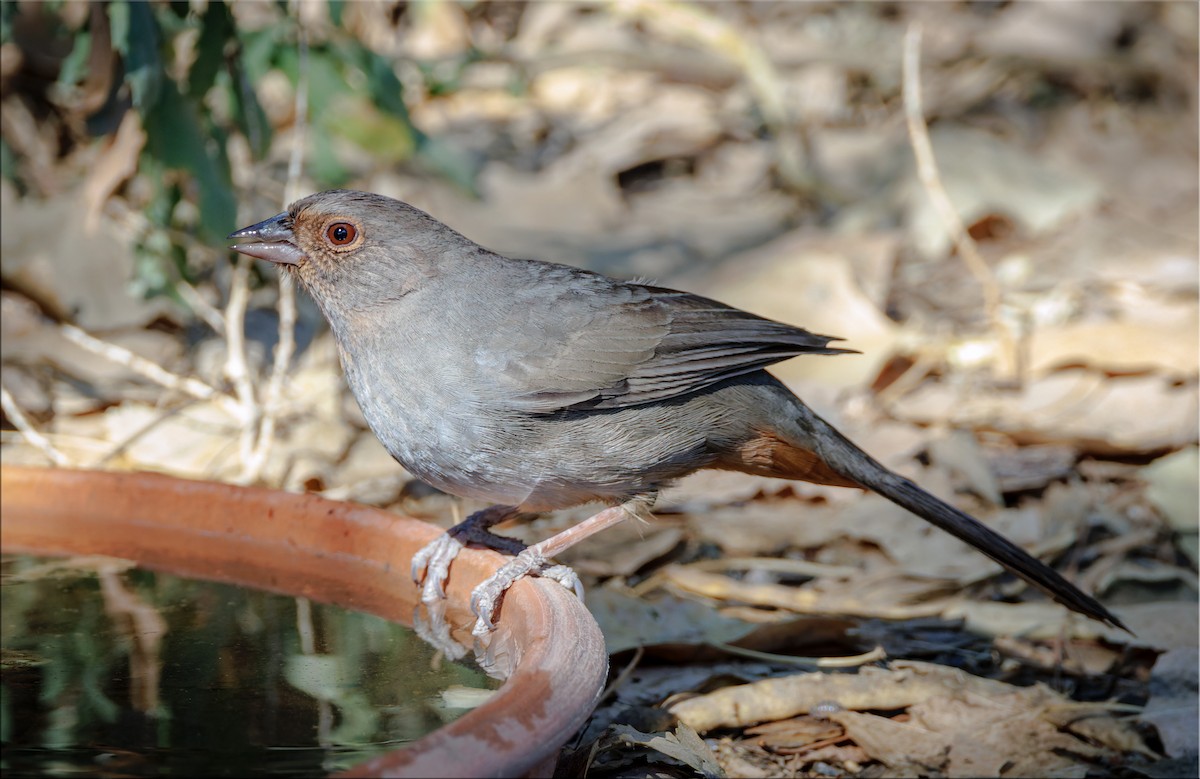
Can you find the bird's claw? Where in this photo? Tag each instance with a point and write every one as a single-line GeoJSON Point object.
{"type": "Point", "coordinates": [485, 598]}
{"type": "Point", "coordinates": [431, 566]}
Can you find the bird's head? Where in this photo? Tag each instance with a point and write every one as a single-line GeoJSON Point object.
{"type": "Point", "coordinates": [352, 250]}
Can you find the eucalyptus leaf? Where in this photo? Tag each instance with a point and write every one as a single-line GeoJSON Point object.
{"type": "Point", "coordinates": [323, 163]}
{"type": "Point", "coordinates": [248, 113]}
{"type": "Point", "coordinates": [135, 36]}
{"type": "Point", "coordinates": [385, 136]}
{"type": "Point", "coordinates": [216, 29]}
{"type": "Point", "coordinates": [258, 50]}
{"type": "Point", "coordinates": [174, 137]}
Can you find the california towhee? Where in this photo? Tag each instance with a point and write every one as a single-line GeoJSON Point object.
{"type": "Point", "coordinates": [537, 386]}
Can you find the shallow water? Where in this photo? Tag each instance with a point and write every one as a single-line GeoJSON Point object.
{"type": "Point", "coordinates": [112, 670]}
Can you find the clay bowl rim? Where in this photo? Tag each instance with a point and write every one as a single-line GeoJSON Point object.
{"type": "Point", "coordinates": [333, 552]}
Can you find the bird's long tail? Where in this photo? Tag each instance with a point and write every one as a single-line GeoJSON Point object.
{"type": "Point", "coordinates": [845, 458]}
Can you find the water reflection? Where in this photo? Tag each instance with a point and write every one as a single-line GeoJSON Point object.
{"type": "Point", "coordinates": [109, 669]}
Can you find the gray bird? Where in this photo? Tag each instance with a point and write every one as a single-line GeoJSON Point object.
{"type": "Point", "coordinates": [536, 386]}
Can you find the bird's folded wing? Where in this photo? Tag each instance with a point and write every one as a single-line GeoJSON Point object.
{"type": "Point", "coordinates": [624, 344]}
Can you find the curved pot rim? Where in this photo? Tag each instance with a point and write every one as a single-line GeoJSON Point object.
{"type": "Point", "coordinates": [351, 555]}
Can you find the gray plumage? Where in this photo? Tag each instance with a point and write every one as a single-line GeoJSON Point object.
{"type": "Point", "coordinates": [541, 386]}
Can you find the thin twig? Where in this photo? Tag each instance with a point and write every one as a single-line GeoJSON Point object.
{"type": "Point", "coordinates": [286, 345]}
{"type": "Point", "coordinates": [207, 311]}
{"type": "Point", "coordinates": [235, 360]}
{"type": "Point", "coordinates": [874, 656]}
{"type": "Point", "coordinates": [775, 565]}
{"type": "Point", "coordinates": [623, 677]}
{"type": "Point", "coordinates": [122, 446]}
{"type": "Point", "coordinates": [137, 225]}
{"type": "Point", "coordinates": [931, 180]}
{"type": "Point", "coordinates": [21, 423]}
{"type": "Point", "coordinates": [156, 373]}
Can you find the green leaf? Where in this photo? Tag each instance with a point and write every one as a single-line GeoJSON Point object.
{"type": "Point", "coordinates": [450, 161]}
{"type": "Point", "coordinates": [248, 113]}
{"type": "Point", "coordinates": [75, 65]}
{"type": "Point", "coordinates": [135, 36]}
{"type": "Point", "coordinates": [174, 137]}
{"type": "Point", "coordinates": [8, 161]}
{"type": "Point", "coordinates": [336, 8]}
{"type": "Point", "coordinates": [326, 84]}
{"type": "Point", "coordinates": [324, 165]}
{"type": "Point", "coordinates": [118, 25]}
{"type": "Point", "coordinates": [7, 12]}
{"type": "Point", "coordinates": [386, 137]}
{"type": "Point", "coordinates": [216, 29]}
{"type": "Point", "coordinates": [385, 88]}
{"type": "Point", "coordinates": [258, 50]}
{"type": "Point", "coordinates": [387, 93]}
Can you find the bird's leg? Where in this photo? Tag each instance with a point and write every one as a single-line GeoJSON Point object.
{"type": "Point", "coordinates": [534, 559]}
{"type": "Point", "coordinates": [431, 569]}
{"type": "Point", "coordinates": [431, 565]}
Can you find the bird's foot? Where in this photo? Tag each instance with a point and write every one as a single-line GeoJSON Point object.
{"type": "Point", "coordinates": [535, 559]}
{"type": "Point", "coordinates": [431, 565]}
{"type": "Point", "coordinates": [486, 597]}
{"type": "Point", "coordinates": [434, 629]}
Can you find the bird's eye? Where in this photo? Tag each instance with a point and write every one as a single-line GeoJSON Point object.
{"type": "Point", "coordinates": [341, 233]}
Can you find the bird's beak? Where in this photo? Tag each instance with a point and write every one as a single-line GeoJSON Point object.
{"type": "Point", "coordinates": [271, 240]}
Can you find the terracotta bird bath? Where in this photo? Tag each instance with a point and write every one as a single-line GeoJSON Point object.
{"type": "Point", "coordinates": [349, 555]}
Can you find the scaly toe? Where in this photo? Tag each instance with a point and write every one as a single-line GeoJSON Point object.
{"type": "Point", "coordinates": [565, 576]}
{"type": "Point", "coordinates": [431, 566]}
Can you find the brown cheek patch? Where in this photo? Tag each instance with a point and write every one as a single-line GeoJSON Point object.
{"type": "Point", "coordinates": [769, 455]}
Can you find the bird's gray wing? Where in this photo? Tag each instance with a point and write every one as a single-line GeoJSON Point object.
{"type": "Point", "coordinates": [603, 344]}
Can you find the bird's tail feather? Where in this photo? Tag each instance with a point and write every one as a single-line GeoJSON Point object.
{"type": "Point", "coordinates": [848, 460]}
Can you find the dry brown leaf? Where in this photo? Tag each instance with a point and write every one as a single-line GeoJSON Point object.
{"type": "Point", "coordinates": [1172, 707]}
{"type": "Point", "coordinates": [623, 550]}
{"type": "Point", "coordinates": [116, 164]}
{"type": "Point", "coordinates": [194, 442]}
{"type": "Point", "coordinates": [79, 275]}
{"type": "Point", "coordinates": [704, 489]}
{"type": "Point", "coordinates": [1019, 468]}
{"type": "Point", "coordinates": [902, 685]}
{"type": "Point", "coordinates": [768, 527]}
{"type": "Point", "coordinates": [628, 621]}
{"type": "Point", "coordinates": [902, 747]}
{"type": "Point", "coordinates": [959, 453]}
{"type": "Point", "coordinates": [1060, 32]}
{"type": "Point", "coordinates": [1173, 486]}
{"type": "Point", "coordinates": [1171, 349]}
{"type": "Point", "coordinates": [1085, 409]}
{"type": "Point", "coordinates": [923, 551]}
{"type": "Point", "coordinates": [985, 176]}
{"type": "Point", "coordinates": [794, 732]}
{"type": "Point", "coordinates": [885, 595]}
{"type": "Point", "coordinates": [959, 724]}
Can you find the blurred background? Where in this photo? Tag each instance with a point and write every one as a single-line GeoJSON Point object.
{"type": "Point", "coordinates": [995, 202]}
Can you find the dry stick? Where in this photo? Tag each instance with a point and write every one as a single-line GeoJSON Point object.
{"type": "Point", "coordinates": [235, 362]}
{"type": "Point", "coordinates": [156, 373]}
{"type": "Point", "coordinates": [207, 311]}
{"type": "Point", "coordinates": [136, 223]}
{"type": "Point", "coordinates": [931, 180]}
{"type": "Point", "coordinates": [623, 677]}
{"type": "Point", "coordinates": [123, 445]}
{"type": "Point", "coordinates": [851, 661]}
{"type": "Point", "coordinates": [286, 345]}
{"type": "Point", "coordinates": [21, 422]}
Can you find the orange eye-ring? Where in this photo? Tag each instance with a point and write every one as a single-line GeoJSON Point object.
{"type": "Point", "coordinates": [341, 233]}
